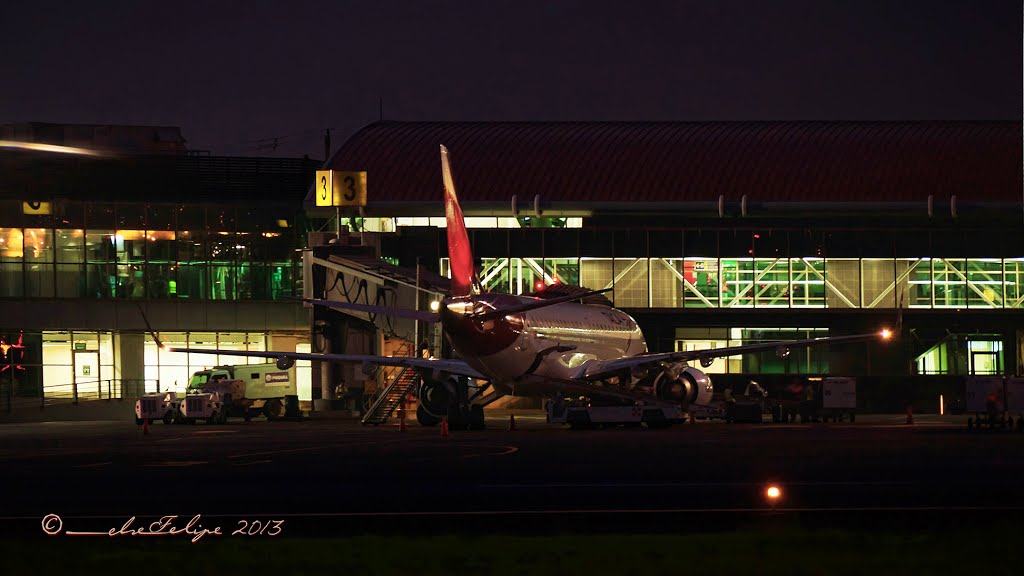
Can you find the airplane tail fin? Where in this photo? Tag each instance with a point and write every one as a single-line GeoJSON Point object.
{"type": "Point", "coordinates": [460, 254]}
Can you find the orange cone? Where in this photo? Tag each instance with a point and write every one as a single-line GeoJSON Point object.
{"type": "Point", "coordinates": [401, 420]}
{"type": "Point", "coordinates": [692, 419]}
{"type": "Point", "coordinates": [145, 425]}
{"type": "Point", "coordinates": [444, 427]}
{"type": "Point", "coordinates": [511, 421]}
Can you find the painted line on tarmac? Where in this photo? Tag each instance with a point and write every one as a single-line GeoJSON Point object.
{"type": "Point", "coordinates": [96, 465]}
{"type": "Point", "coordinates": [505, 451]}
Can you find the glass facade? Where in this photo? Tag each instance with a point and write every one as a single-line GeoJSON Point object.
{"type": "Point", "coordinates": [138, 251]}
{"type": "Point", "coordinates": [812, 360]}
{"type": "Point", "coordinates": [65, 365]}
{"type": "Point", "coordinates": [975, 354]}
{"type": "Point", "coordinates": [811, 282]}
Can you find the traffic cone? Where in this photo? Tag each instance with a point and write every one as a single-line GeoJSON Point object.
{"type": "Point", "coordinates": [910, 414]}
{"type": "Point", "coordinates": [145, 425]}
{"type": "Point", "coordinates": [511, 421]}
{"type": "Point", "coordinates": [692, 419]}
{"type": "Point", "coordinates": [401, 420]}
{"type": "Point", "coordinates": [444, 427]}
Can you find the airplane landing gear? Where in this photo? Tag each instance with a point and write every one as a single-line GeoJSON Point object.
{"type": "Point", "coordinates": [452, 399]}
{"type": "Point", "coordinates": [426, 418]}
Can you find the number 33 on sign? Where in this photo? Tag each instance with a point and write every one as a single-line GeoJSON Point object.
{"type": "Point", "coordinates": [336, 188]}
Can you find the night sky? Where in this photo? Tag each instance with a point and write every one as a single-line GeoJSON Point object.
{"type": "Point", "coordinates": [234, 75]}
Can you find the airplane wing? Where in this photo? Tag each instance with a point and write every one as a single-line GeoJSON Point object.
{"type": "Point", "coordinates": [614, 367]}
{"type": "Point", "coordinates": [457, 367]}
{"type": "Point", "coordinates": [422, 315]}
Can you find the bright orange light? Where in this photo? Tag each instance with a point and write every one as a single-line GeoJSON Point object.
{"type": "Point", "coordinates": [886, 334]}
{"type": "Point", "coordinates": [540, 286]}
{"type": "Point", "coordinates": [773, 493]}
{"type": "Point", "coordinates": [49, 148]}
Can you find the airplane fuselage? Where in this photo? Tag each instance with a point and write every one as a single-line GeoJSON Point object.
{"type": "Point", "coordinates": [529, 352]}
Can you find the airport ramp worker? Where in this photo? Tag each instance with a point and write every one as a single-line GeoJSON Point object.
{"type": "Point", "coordinates": [730, 404]}
{"type": "Point", "coordinates": [808, 403]}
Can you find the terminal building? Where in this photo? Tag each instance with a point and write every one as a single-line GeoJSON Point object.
{"type": "Point", "coordinates": [711, 234]}
{"type": "Point", "coordinates": [99, 224]}
{"type": "Point", "coordinates": [727, 233]}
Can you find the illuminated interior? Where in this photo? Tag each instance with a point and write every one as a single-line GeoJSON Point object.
{"type": "Point", "coordinates": [809, 282]}
{"type": "Point", "coordinates": [84, 364]}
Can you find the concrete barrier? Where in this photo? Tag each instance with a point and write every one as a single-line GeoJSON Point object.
{"type": "Point", "coordinates": [115, 409]}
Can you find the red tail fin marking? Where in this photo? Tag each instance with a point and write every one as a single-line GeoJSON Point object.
{"type": "Point", "coordinates": [460, 254]}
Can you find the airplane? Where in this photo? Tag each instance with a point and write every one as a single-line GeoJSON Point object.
{"type": "Point", "coordinates": [566, 342]}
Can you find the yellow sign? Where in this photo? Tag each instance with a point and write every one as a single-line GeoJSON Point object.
{"type": "Point", "coordinates": [334, 188]}
{"type": "Point", "coordinates": [40, 208]}
{"type": "Point", "coordinates": [324, 188]}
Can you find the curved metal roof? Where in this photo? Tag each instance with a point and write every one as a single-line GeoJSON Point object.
{"type": "Point", "coordinates": [584, 162]}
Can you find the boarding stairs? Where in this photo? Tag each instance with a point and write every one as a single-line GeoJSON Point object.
{"type": "Point", "coordinates": [401, 383]}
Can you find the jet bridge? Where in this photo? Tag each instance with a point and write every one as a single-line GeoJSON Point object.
{"type": "Point", "coordinates": [363, 279]}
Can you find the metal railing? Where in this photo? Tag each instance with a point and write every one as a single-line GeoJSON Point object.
{"type": "Point", "coordinates": [20, 395]}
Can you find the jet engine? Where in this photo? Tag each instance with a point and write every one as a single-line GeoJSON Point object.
{"type": "Point", "coordinates": [435, 396]}
{"type": "Point", "coordinates": [689, 385]}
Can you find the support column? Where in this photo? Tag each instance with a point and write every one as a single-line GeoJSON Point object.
{"type": "Point", "coordinates": [130, 364]}
{"type": "Point", "coordinates": [324, 402]}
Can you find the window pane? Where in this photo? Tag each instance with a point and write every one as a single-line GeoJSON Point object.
{"type": "Point", "coordinates": [99, 216]}
{"type": "Point", "coordinates": [667, 283]}
{"type": "Point", "coordinates": [71, 281]}
{"type": "Point", "coordinates": [160, 281]}
{"type": "Point", "coordinates": [950, 280]}
{"type": "Point", "coordinates": [100, 280]}
{"type": "Point", "coordinates": [702, 274]}
{"type": "Point", "coordinates": [915, 282]}
{"type": "Point", "coordinates": [191, 246]}
{"type": "Point", "coordinates": [12, 245]}
{"type": "Point", "coordinates": [595, 273]}
{"type": "Point", "coordinates": [100, 246]}
{"type": "Point", "coordinates": [984, 283]}
{"type": "Point", "coordinates": [285, 280]}
{"type": "Point", "coordinates": [11, 279]}
{"type": "Point", "coordinates": [631, 283]}
{"type": "Point", "coordinates": [131, 216]}
{"type": "Point", "coordinates": [160, 217]}
{"type": "Point", "coordinates": [737, 283]}
{"type": "Point", "coordinates": [38, 245]}
{"type": "Point", "coordinates": [161, 246]}
{"type": "Point", "coordinates": [191, 282]}
{"type": "Point", "coordinates": [495, 274]}
{"type": "Point", "coordinates": [38, 280]}
{"type": "Point", "coordinates": [878, 278]}
{"type": "Point", "coordinates": [771, 282]}
{"type": "Point", "coordinates": [1013, 276]}
{"type": "Point", "coordinates": [70, 245]}
{"type": "Point", "coordinates": [808, 280]}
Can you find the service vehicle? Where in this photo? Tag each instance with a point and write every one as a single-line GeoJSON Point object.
{"type": "Point", "coordinates": [838, 399]}
{"type": "Point", "coordinates": [993, 400]}
{"type": "Point", "coordinates": [244, 391]}
{"type": "Point", "coordinates": [157, 406]}
{"type": "Point", "coordinates": [581, 413]}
